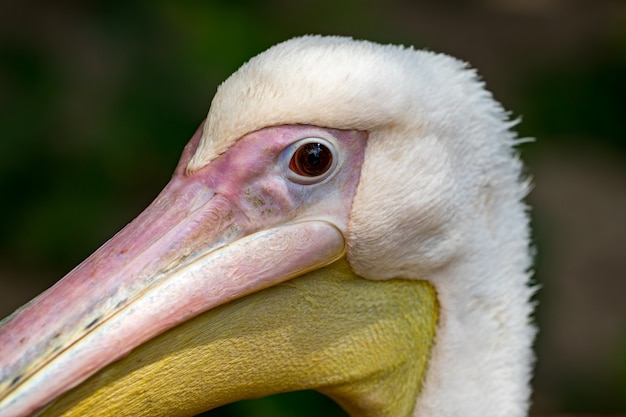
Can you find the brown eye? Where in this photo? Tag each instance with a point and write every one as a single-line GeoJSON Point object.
{"type": "Point", "coordinates": [311, 160]}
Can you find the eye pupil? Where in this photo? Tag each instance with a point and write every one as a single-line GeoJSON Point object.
{"type": "Point", "coordinates": [311, 160]}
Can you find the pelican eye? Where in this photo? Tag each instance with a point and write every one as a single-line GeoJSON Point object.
{"type": "Point", "coordinates": [312, 160]}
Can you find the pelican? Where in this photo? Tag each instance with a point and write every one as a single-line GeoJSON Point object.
{"type": "Point", "coordinates": [348, 218]}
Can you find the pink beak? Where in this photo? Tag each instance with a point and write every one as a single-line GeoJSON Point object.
{"type": "Point", "coordinates": [233, 227]}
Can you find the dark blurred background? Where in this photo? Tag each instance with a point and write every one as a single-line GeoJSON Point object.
{"type": "Point", "coordinates": [97, 100]}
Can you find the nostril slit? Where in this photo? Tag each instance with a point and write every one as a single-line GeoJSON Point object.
{"type": "Point", "coordinates": [15, 380]}
{"type": "Point", "coordinates": [92, 323]}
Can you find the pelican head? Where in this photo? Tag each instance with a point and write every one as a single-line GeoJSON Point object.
{"type": "Point", "coordinates": [348, 218]}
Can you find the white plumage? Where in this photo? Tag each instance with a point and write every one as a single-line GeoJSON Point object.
{"type": "Point", "coordinates": [440, 196]}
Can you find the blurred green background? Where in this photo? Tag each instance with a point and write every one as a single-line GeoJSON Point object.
{"type": "Point", "coordinates": [97, 100]}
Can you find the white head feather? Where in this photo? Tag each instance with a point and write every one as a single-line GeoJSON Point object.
{"type": "Point", "coordinates": [439, 196]}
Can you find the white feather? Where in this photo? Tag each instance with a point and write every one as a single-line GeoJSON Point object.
{"type": "Point", "coordinates": [439, 197]}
